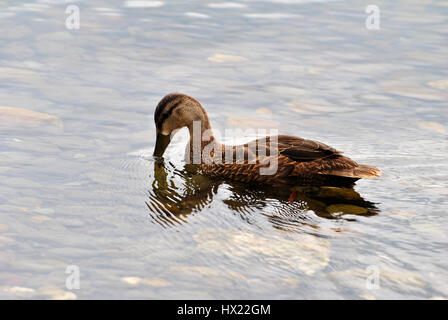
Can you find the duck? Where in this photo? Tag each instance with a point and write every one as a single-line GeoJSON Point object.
{"type": "Point", "coordinates": [279, 160]}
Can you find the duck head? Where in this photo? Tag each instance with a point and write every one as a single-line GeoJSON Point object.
{"type": "Point", "coordinates": [175, 111]}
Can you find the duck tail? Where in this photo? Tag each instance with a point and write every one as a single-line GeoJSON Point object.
{"type": "Point", "coordinates": [365, 171]}
{"type": "Point", "coordinates": [360, 171]}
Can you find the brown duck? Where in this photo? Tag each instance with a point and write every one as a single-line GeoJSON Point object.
{"type": "Point", "coordinates": [297, 161]}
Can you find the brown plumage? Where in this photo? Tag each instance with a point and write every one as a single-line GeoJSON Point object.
{"type": "Point", "coordinates": [275, 160]}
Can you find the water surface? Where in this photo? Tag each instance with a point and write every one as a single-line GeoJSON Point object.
{"type": "Point", "coordinates": [79, 186]}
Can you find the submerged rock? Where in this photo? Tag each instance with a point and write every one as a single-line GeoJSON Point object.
{"type": "Point", "coordinates": [225, 58]}
{"type": "Point", "coordinates": [290, 283]}
{"type": "Point", "coordinates": [416, 92]}
{"type": "Point", "coordinates": [131, 280]}
{"type": "Point", "coordinates": [285, 90]}
{"type": "Point", "coordinates": [433, 126]}
{"type": "Point", "coordinates": [264, 111]}
{"type": "Point", "coordinates": [39, 219]}
{"type": "Point", "coordinates": [156, 282]}
{"type": "Point", "coordinates": [56, 293]}
{"type": "Point", "coordinates": [44, 211]}
{"type": "Point", "coordinates": [152, 282]}
{"type": "Point", "coordinates": [440, 84]}
{"type": "Point", "coordinates": [315, 107]}
{"type": "Point", "coordinates": [304, 253]}
{"type": "Point", "coordinates": [20, 291]}
{"type": "Point", "coordinates": [23, 119]}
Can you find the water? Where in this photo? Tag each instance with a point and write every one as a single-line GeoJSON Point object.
{"type": "Point", "coordinates": [79, 186]}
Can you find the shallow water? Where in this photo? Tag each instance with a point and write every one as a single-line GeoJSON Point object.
{"type": "Point", "coordinates": [79, 186]}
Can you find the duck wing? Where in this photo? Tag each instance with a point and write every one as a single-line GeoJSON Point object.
{"type": "Point", "coordinates": [316, 157]}
{"type": "Point", "coordinates": [303, 150]}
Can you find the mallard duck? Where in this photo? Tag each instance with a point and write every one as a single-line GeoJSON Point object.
{"type": "Point", "coordinates": [297, 161]}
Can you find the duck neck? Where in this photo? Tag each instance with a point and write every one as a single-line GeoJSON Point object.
{"type": "Point", "coordinates": [201, 135]}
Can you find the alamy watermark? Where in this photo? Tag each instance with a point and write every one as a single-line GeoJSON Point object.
{"type": "Point", "coordinates": [73, 20]}
{"type": "Point", "coordinates": [373, 18]}
{"type": "Point", "coordinates": [373, 278]}
{"type": "Point", "coordinates": [204, 148]}
{"type": "Point", "coordinates": [72, 282]}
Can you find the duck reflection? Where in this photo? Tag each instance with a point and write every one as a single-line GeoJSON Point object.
{"type": "Point", "coordinates": [177, 194]}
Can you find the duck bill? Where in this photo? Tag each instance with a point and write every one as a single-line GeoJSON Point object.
{"type": "Point", "coordinates": [162, 142]}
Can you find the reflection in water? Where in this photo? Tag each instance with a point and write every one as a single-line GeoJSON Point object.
{"type": "Point", "coordinates": [173, 199]}
{"type": "Point", "coordinates": [176, 194]}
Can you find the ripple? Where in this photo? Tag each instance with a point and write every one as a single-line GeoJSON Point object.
{"type": "Point", "coordinates": [143, 4]}
{"type": "Point", "coordinates": [226, 5]}
{"type": "Point", "coordinates": [197, 15]}
{"type": "Point", "coordinates": [272, 16]}
{"type": "Point", "coordinates": [6, 14]}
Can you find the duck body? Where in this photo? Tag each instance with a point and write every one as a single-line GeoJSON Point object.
{"type": "Point", "coordinates": [299, 162]}
{"type": "Point", "coordinates": [273, 160]}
